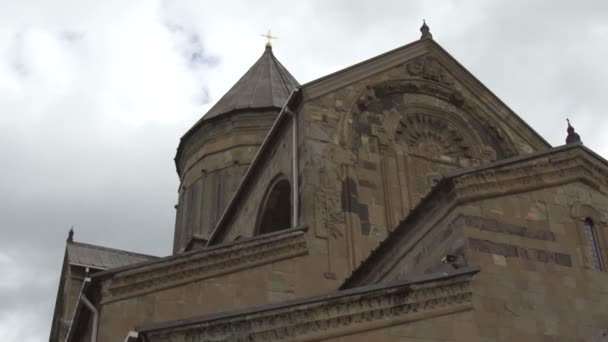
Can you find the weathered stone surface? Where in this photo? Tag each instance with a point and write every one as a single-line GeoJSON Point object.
{"type": "Point", "coordinates": [214, 161]}
{"type": "Point", "coordinates": [407, 166]}
{"type": "Point", "coordinates": [335, 314]}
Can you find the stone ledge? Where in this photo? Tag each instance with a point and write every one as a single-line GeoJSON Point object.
{"type": "Point", "coordinates": [203, 264]}
{"type": "Point", "coordinates": [336, 314]}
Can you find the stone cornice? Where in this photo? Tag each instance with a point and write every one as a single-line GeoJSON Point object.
{"type": "Point", "coordinates": [393, 58]}
{"type": "Point", "coordinates": [493, 102]}
{"type": "Point", "coordinates": [566, 165]}
{"type": "Point", "coordinates": [207, 130]}
{"type": "Point", "coordinates": [332, 315]}
{"type": "Point", "coordinates": [549, 168]}
{"type": "Point", "coordinates": [365, 69]}
{"type": "Point", "coordinates": [208, 263]}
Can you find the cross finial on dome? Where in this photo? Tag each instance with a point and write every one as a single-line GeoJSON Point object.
{"type": "Point", "coordinates": [269, 37]}
{"type": "Point", "coordinates": [572, 137]}
{"type": "Point", "coordinates": [426, 32]}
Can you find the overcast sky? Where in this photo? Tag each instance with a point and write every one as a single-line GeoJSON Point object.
{"type": "Point", "coordinates": [94, 96]}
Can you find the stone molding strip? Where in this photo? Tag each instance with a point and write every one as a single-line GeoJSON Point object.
{"type": "Point", "coordinates": [354, 73]}
{"type": "Point", "coordinates": [515, 251]}
{"type": "Point", "coordinates": [208, 263]}
{"type": "Point", "coordinates": [567, 166]}
{"type": "Point", "coordinates": [491, 225]}
{"type": "Point", "coordinates": [331, 315]}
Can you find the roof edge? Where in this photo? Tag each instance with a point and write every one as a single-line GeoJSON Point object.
{"type": "Point", "coordinates": [430, 45]}
{"type": "Point", "coordinates": [58, 299]}
{"type": "Point", "coordinates": [484, 87]}
{"type": "Point", "coordinates": [169, 258]}
{"type": "Point", "coordinates": [414, 280]}
{"type": "Point", "coordinates": [226, 116]}
{"type": "Point", "coordinates": [358, 64]}
{"type": "Point", "coordinates": [110, 249]}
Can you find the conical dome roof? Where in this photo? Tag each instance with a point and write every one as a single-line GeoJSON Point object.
{"type": "Point", "coordinates": [265, 87]}
{"type": "Point", "coordinates": [267, 84]}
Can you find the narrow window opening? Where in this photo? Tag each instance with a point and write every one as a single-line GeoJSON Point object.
{"type": "Point", "coordinates": [277, 209]}
{"type": "Point", "coordinates": [591, 240]}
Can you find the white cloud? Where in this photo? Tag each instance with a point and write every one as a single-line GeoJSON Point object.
{"type": "Point", "coordinates": [17, 326]}
{"type": "Point", "coordinates": [94, 96]}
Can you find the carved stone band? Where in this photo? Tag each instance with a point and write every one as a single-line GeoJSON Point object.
{"type": "Point", "coordinates": [335, 314]}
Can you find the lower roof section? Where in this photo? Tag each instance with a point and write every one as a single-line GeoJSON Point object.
{"type": "Point", "coordinates": [102, 258]}
{"type": "Point", "coordinates": [333, 314]}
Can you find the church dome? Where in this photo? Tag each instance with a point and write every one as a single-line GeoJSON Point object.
{"type": "Point", "coordinates": [215, 153]}
{"type": "Point", "coordinates": [265, 86]}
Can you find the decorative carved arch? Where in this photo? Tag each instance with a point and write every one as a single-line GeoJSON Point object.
{"type": "Point", "coordinates": [274, 213]}
{"type": "Point", "coordinates": [580, 211]}
{"type": "Point", "coordinates": [436, 136]}
{"type": "Point", "coordinates": [378, 93]}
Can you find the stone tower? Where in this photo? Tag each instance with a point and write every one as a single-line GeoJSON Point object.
{"type": "Point", "coordinates": [215, 153]}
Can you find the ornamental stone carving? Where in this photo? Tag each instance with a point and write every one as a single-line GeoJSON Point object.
{"type": "Point", "coordinates": [433, 137]}
{"type": "Point", "coordinates": [369, 110]}
{"type": "Point", "coordinates": [429, 68]}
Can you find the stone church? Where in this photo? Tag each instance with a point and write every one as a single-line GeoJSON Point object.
{"type": "Point", "coordinates": [395, 200]}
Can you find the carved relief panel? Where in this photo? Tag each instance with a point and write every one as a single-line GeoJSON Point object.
{"type": "Point", "coordinates": [407, 133]}
{"type": "Point", "coordinates": [434, 144]}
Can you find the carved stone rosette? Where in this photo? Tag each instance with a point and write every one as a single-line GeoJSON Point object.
{"type": "Point", "coordinates": [433, 137]}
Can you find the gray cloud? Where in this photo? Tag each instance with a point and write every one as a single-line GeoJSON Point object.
{"type": "Point", "coordinates": [95, 95]}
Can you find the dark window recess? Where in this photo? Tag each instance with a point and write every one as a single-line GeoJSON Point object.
{"type": "Point", "coordinates": [592, 243]}
{"type": "Point", "coordinates": [277, 209]}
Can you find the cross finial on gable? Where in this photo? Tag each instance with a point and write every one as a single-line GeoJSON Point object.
{"type": "Point", "coordinates": [572, 137]}
{"type": "Point", "coordinates": [71, 234]}
{"type": "Point", "coordinates": [426, 32]}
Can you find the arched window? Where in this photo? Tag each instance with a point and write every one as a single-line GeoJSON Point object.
{"type": "Point", "coordinates": [276, 210]}
{"type": "Point", "coordinates": [593, 246]}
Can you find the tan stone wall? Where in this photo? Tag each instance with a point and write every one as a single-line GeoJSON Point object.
{"type": "Point", "coordinates": [449, 328]}
{"type": "Point", "coordinates": [72, 284]}
{"type": "Point", "coordinates": [533, 288]}
{"type": "Point", "coordinates": [212, 164]}
{"type": "Point", "coordinates": [536, 281]}
{"type": "Point", "coordinates": [270, 283]}
{"type": "Point", "coordinates": [406, 308]}
{"type": "Point", "coordinates": [72, 291]}
{"type": "Point", "coordinates": [372, 149]}
{"type": "Point", "coordinates": [277, 162]}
